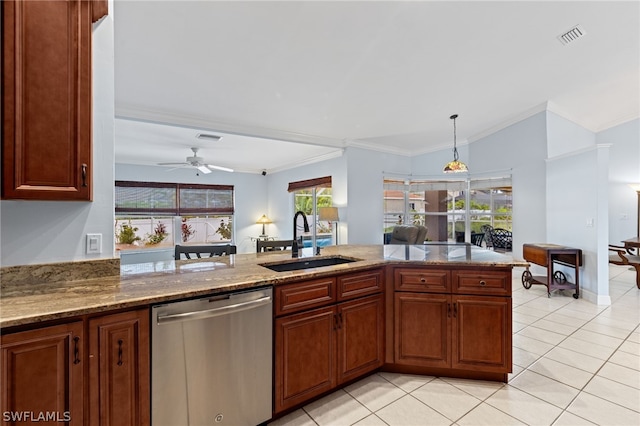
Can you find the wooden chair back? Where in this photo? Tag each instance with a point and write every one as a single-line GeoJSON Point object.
{"type": "Point", "coordinates": [273, 245]}
{"type": "Point", "coordinates": [207, 250]}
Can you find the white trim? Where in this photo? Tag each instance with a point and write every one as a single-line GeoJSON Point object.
{"type": "Point", "coordinates": [578, 152]}
{"type": "Point", "coordinates": [598, 299]}
{"type": "Point", "coordinates": [157, 117]}
{"type": "Point", "coordinates": [378, 148]}
{"type": "Point", "coordinates": [306, 162]}
{"type": "Point", "coordinates": [513, 120]}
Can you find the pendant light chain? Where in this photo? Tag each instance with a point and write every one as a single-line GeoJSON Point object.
{"type": "Point", "coordinates": [455, 149]}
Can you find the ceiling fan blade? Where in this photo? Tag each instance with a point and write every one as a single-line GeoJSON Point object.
{"type": "Point", "coordinates": [224, 169]}
{"type": "Point", "coordinates": [203, 169]}
{"type": "Point", "coordinates": [173, 164]}
{"type": "Point", "coordinates": [181, 166]}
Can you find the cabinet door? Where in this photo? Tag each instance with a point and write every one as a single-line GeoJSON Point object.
{"type": "Point", "coordinates": [482, 333]}
{"type": "Point", "coordinates": [119, 369]}
{"type": "Point", "coordinates": [305, 351]}
{"type": "Point", "coordinates": [360, 337]}
{"type": "Point", "coordinates": [422, 329]}
{"type": "Point", "coordinates": [46, 136]}
{"type": "Point", "coordinates": [42, 372]}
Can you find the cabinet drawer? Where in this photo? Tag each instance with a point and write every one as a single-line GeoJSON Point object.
{"type": "Point", "coordinates": [422, 280]}
{"type": "Point", "coordinates": [482, 282]}
{"type": "Point", "coordinates": [360, 284]}
{"type": "Point", "coordinates": [296, 297]}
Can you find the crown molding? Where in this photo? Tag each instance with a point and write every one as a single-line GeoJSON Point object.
{"type": "Point", "coordinates": [159, 117]}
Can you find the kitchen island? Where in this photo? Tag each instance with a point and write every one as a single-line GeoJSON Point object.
{"type": "Point", "coordinates": [435, 309]}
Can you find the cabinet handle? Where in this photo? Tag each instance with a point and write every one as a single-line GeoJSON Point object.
{"type": "Point", "coordinates": [448, 310]}
{"type": "Point", "coordinates": [340, 318]}
{"type": "Point", "coordinates": [423, 280]}
{"type": "Point", "coordinates": [84, 174]}
{"type": "Point", "coordinates": [335, 322]}
{"type": "Point", "coordinates": [76, 350]}
{"type": "Point", "coordinates": [455, 310]}
{"type": "Point", "coordinates": [483, 282]}
{"type": "Point", "coordinates": [120, 342]}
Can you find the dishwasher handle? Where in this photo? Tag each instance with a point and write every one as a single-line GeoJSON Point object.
{"type": "Point", "coordinates": [208, 313]}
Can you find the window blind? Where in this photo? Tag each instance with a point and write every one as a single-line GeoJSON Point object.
{"type": "Point", "coordinates": [173, 199]}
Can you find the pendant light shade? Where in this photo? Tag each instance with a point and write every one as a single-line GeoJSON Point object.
{"type": "Point", "coordinates": [455, 166]}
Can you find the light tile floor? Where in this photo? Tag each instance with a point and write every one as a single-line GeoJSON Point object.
{"type": "Point", "coordinates": [574, 363]}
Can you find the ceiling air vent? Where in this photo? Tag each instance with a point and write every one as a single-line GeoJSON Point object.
{"type": "Point", "coordinates": [208, 137]}
{"type": "Point", "coordinates": [572, 35]}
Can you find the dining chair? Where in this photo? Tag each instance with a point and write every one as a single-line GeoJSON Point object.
{"type": "Point", "coordinates": [198, 251]}
{"type": "Point", "coordinates": [273, 245]}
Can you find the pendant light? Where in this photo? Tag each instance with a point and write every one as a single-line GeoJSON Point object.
{"type": "Point", "coordinates": [455, 166]}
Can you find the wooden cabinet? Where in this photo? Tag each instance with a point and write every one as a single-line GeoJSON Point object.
{"type": "Point", "coordinates": [360, 332]}
{"type": "Point", "coordinates": [457, 320]}
{"type": "Point", "coordinates": [422, 329]}
{"type": "Point", "coordinates": [119, 369]}
{"type": "Point", "coordinates": [305, 346]}
{"type": "Point", "coordinates": [46, 371]}
{"type": "Point", "coordinates": [43, 374]}
{"type": "Point", "coordinates": [318, 349]}
{"type": "Point", "coordinates": [481, 333]}
{"type": "Point", "coordinates": [46, 84]}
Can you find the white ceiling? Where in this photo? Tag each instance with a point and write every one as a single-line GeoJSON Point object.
{"type": "Point", "coordinates": [383, 75]}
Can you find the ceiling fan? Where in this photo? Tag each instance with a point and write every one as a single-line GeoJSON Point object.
{"type": "Point", "coordinates": [198, 163]}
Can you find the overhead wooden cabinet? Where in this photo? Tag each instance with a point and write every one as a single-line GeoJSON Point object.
{"type": "Point", "coordinates": [46, 83]}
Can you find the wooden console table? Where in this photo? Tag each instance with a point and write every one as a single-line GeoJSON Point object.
{"type": "Point", "coordinates": [548, 255]}
{"type": "Point", "coordinates": [631, 244]}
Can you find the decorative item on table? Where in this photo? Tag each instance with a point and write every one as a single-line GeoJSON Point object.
{"type": "Point", "coordinates": [329, 214]}
{"type": "Point", "coordinates": [264, 220]}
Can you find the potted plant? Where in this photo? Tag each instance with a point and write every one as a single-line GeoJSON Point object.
{"type": "Point", "coordinates": [126, 235]}
{"type": "Point", "coordinates": [159, 234]}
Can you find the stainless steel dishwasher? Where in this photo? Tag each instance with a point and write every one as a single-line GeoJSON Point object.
{"type": "Point", "coordinates": [211, 360]}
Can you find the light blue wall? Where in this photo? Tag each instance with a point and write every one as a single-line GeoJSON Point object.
{"type": "Point", "coordinates": [34, 232]}
{"type": "Point", "coordinates": [280, 201]}
{"type": "Point", "coordinates": [564, 136]}
{"type": "Point", "coordinates": [365, 171]}
{"type": "Point", "coordinates": [519, 150]}
{"type": "Point", "coordinates": [624, 169]}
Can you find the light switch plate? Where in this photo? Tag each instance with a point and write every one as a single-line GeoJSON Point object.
{"type": "Point", "coordinates": [94, 243]}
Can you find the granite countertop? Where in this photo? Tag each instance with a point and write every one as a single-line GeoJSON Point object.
{"type": "Point", "coordinates": [49, 292]}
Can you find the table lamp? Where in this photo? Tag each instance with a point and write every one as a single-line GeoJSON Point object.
{"type": "Point", "coordinates": [264, 220]}
{"type": "Point", "coordinates": [329, 214]}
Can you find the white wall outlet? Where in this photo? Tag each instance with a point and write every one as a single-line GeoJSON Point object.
{"type": "Point", "coordinates": [94, 243]}
{"type": "Point", "coordinates": [590, 222]}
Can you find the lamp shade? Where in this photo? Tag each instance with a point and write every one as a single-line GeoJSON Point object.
{"type": "Point", "coordinates": [329, 214]}
{"type": "Point", "coordinates": [264, 220]}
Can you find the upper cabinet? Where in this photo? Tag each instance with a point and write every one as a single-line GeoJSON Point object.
{"type": "Point", "coordinates": [46, 83]}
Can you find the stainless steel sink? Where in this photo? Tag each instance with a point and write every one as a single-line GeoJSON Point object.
{"type": "Point", "coordinates": [307, 263]}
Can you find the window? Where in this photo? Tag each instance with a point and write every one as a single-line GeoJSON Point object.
{"type": "Point", "coordinates": [442, 205]}
{"type": "Point", "coordinates": [309, 195]}
{"type": "Point", "coordinates": [151, 214]}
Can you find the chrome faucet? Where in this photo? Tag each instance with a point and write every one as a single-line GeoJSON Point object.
{"type": "Point", "coordinates": [295, 247]}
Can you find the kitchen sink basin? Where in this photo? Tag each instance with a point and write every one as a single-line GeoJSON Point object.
{"type": "Point", "coordinates": [307, 263]}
